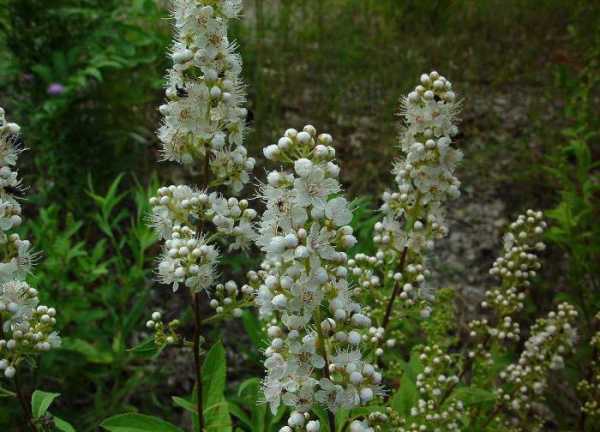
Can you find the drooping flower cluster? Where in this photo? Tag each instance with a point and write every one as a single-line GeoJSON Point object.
{"type": "Point", "coordinates": [413, 215]}
{"type": "Point", "coordinates": [204, 116]}
{"type": "Point", "coordinates": [316, 328]}
{"type": "Point", "coordinates": [552, 338]}
{"type": "Point", "coordinates": [26, 327]}
{"type": "Point", "coordinates": [516, 268]}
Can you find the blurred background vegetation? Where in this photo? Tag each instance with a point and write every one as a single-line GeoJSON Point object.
{"type": "Point", "coordinates": [84, 77]}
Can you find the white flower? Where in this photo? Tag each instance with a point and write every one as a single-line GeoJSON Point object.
{"type": "Point", "coordinates": [337, 210]}
{"type": "Point", "coordinates": [319, 242]}
{"type": "Point", "coordinates": [303, 167]}
{"type": "Point", "coordinates": [331, 395]}
{"type": "Point", "coordinates": [314, 188]}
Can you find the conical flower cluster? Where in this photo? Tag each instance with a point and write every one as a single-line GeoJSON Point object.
{"type": "Point", "coordinates": [316, 326]}
{"type": "Point", "coordinates": [412, 216]}
{"type": "Point", "coordinates": [204, 116]}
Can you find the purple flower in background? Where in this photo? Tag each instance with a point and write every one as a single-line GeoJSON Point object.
{"type": "Point", "coordinates": [56, 89]}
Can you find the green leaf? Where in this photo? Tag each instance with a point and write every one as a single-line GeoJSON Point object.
{"type": "Point", "coordinates": [40, 402]}
{"type": "Point", "coordinates": [62, 425]}
{"type": "Point", "coordinates": [132, 422]}
{"type": "Point", "coordinates": [4, 393]}
{"type": "Point", "coordinates": [254, 329]}
{"type": "Point", "coordinates": [185, 404]}
{"type": "Point", "coordinates": [473, 395]}
{"type": "Point", "coordinates": [89, 351]}
{"type": "Point", "coordinates": [235, 410]}
{"type": "Point", "coordinates": [147, 348]}
{"type": "Point", "coordinates": [216, 412]}
{"type": "Point", "coordinates": [249, 394]}
{"type": "Point", "coordinates": [406, 396]}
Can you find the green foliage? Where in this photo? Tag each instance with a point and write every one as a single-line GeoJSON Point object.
{"type": "Point", "coordinates": [94, 49]}
{"type": "Point", "coordinates": [41, 401]}
{"type": "Point", "coordinates": [252, 415]}
{"type": "Point", "coordinates": [440, 327]}
{"type": "Point", "coordinates": [98, 279]}
{"type": "Point", "coordinates": [216, 412]}
{"type": "Point", "coordinates": [577, 179]}
{"type": "Point", "coordinates": [137, 423]}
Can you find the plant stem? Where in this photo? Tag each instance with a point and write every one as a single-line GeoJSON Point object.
{"type": "Point", "coordinates": [197, 317]}
{"type": "Point", "coordinates": [27, 416]}
{"type": "Point", "coordinates": [323, 349]}
{"type": "Point", "coordinates": [388, 311]}
{"type": "Point", "coordinates": [466, 368]}
{"type": "Point", "coordinates": [198, 364]}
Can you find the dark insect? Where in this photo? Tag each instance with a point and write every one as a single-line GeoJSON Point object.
{"type": "Point", "coordinates": [249, 117]}
{"type": "Point", "coordinates": [13, 190]}
{"type": "Point", "coordinates": [181, 91]}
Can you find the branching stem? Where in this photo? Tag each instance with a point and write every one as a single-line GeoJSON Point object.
{"type": "Point", "coordinates": [388, 311]}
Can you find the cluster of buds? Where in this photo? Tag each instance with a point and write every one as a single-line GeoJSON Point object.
{"type": "Point", "coordinates": [26, 327]}
{"type": "Point", "coordinates": [364, 270]}
{"type": "Point", "coordinates": [413, 215]}
{"type": "Point", "coordinates": [164, 333]}
{"type": "Point", "coordinates": [316, 329]}
{"type": "Point", "coordinates": [301, 422]}
{"type": "Point", "coordinates": [589, 388]}
{"type": "Point", "coordinates": [525, 381]}
{"type": "Point", "coordinates": [433, 385]}
{"type": "Point", "coordinates": [204, 116]}
{"type": "Point", "coordinates": [229, 299]}
{"type": "Point", "coordinates": [180, 205]}
{"type": "Point", "coordinates": [515, 268]}
{"type": "Point", "coordinates": [188, 259]}
{"type": "Point", "coordinates": [179, 215]}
